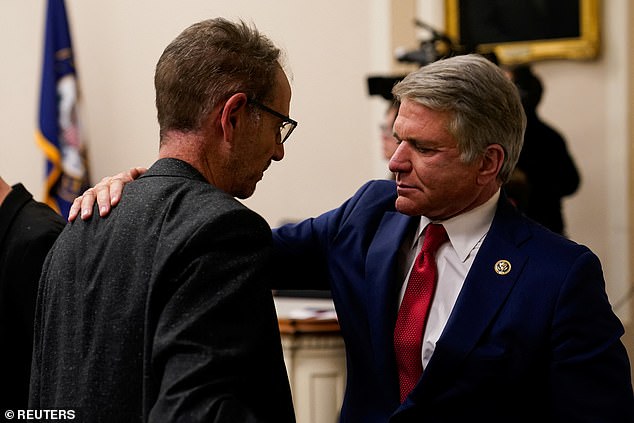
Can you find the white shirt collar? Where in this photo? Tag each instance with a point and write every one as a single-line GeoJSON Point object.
{"type": "Point", "coordinates": [466, 230]}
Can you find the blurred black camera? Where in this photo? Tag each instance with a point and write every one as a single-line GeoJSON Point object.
{"type": "Point", "coordinates": [430, 50]}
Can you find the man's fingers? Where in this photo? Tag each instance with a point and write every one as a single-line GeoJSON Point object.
{"type": "Point", "coordinates": [135, 172]}
{"type": "Point", "coordinates": [104, 199]}
{"type": "Point", "coordinates": [106, 194]}
{"type": "Point", "coordinates": [87, 201]}
{"type": "Point", "coordinates": [74, 209]}
{"type": "Point", "coordinates": [115, 190]}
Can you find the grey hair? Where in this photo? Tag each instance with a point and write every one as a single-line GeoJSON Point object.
{"type": "Point", "coordinates": [484, 105]}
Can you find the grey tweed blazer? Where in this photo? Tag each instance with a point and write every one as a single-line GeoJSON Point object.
{"type": "Point", "coordinates": [161, 311]}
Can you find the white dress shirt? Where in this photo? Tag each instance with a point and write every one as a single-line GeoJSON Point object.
{"type": "Point", "coordinates": [453, 261]}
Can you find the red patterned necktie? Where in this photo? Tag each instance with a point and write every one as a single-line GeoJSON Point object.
{"type": "Point", "coordinates": [412, 315]}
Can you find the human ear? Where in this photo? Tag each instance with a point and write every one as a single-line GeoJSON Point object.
{"type": "Point", "coordinates": [231, 114]}
{"type": "Point", "coordinates": [491, 163]}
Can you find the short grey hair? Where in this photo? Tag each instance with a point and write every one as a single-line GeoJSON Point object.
{"type": "Point", "coordinates": [484, 105]}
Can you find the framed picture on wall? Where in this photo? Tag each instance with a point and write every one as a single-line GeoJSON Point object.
{"type": "Point", "coordinates": [524, 31]}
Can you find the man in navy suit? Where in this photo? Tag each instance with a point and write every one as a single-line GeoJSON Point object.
{"type": "Point", "coordinates": [520, 328]}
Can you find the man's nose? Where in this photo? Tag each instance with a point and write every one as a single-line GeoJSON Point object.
{"type": "Point", "coordinates": [278, 154]}
{"type": "Point", "coordinates": [399, 162]}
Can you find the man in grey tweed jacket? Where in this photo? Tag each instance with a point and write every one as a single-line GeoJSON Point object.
{"type": "Point", "coordinates": [162, 311]}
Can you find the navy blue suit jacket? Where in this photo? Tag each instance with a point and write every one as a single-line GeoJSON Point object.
{"type": "Point", "coordinates": [540, 343]}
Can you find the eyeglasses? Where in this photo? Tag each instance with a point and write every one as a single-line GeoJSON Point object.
{"type": "Point", "coordinates": [287, 126]}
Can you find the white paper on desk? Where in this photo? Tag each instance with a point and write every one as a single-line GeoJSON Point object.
{"type": "Point", "coordinates": [312, 313]}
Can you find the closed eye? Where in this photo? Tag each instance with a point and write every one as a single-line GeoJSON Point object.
{"type": "Point", "coordinates": [421, 147]}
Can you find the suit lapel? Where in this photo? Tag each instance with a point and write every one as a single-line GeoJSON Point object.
{"type": "Point", "coordinates": [485, 290]}
{"type": "Point", "coordinates": [383, 288]}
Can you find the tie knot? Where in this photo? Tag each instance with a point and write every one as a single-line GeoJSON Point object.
{"type": "Point", "coordinates": [435, 236]}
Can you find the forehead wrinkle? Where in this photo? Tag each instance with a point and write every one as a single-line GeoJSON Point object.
{"type": "Point", "coordinates": [414, 130]}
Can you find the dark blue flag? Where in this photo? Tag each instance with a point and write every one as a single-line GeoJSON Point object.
{"type": "Point", "coordinates": [59, 134]}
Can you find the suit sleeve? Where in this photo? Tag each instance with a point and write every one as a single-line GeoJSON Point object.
{"type": "Point", "coordinates": [301, 249]}
{"type": "Point", "coordinates": [590, 373]}
{"type": "Point", "coordinates": [217, 334]}
{"type": "Point", "coordinates": [299, 257]}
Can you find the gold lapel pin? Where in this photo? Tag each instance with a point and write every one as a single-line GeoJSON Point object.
{"type": "Point", "coordinates": [502, 267]}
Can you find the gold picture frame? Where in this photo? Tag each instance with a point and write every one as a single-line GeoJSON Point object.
{"type": "Point", "coordinates": [583, 45]}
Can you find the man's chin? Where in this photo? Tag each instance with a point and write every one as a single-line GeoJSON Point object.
{"type": "Point", "coordinates": [243, 195]}
{"type": "Point", "coordinates": [406, 206]}
{"type": "Point", "coordinates": [244, 192]}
